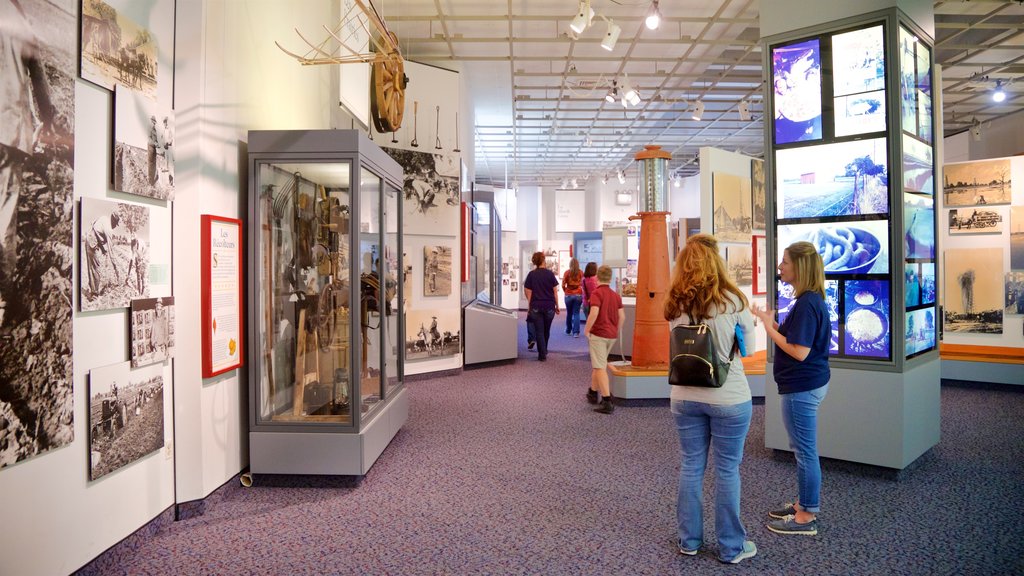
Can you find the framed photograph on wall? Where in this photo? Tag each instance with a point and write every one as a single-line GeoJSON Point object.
{"type": "Point", "coordinates": [222, 282]}
{"type": "Point", "coordinates": [759, 249]}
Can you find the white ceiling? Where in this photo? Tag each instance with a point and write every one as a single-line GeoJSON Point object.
{"type": "Point", "coordinates": [539, 94]}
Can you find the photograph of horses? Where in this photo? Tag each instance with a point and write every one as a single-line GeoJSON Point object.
{"type": "Point", "coordinates": [116, 50]}
{"type": "Point", "coordinates": [432, 333]}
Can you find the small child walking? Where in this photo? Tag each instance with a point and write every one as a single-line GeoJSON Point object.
{"type": "Point", "coordinates": [602, 329]}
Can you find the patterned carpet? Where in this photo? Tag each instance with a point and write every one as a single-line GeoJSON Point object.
{"type": "Point", "coordinates": [506, 470]}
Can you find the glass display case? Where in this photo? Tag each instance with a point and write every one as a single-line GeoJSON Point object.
{"type": "Point", "coordinates": [326, 390]}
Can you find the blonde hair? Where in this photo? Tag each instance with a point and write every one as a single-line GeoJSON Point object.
{"type": "Point", "coordinates": [700, 280]}
{"type": "Point", "coordinates": [808, 269]}
{"type": "Point", "coordinates": [604, 274]}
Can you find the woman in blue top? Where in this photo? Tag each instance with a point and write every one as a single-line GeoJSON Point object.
{"type": "Point", "coordinates": [802, 374]}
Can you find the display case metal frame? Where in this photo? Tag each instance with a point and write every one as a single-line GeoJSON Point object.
{"type": "Point", "coordinates": [347, 445]}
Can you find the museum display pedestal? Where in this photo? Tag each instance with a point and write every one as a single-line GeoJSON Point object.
{"type": "Point", "coordinates": [880, 418]}
{"type": "Point", "coordinates": [629, 383]}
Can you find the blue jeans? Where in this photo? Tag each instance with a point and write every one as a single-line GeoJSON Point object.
{"type": "Point", "coordinates": [529, 330]}
{"type": "Point", "coordinates": [572, 313]}
{"type": "Point", "coordinates": [724, 429]}
{"type": "Point", "coordinates": [800, 415]}
{"type": "Point", "coordinates": [541, 320]}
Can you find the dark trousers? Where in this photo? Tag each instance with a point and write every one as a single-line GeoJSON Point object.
{"type": "Point", "coordinates": [541, 321]}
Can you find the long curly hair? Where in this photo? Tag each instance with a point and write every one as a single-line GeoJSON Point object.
{"type": "Point", "coordinates": [700, 280]}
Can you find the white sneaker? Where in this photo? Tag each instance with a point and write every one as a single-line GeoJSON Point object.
{"type": "Point", "coordinates": [749, 551]}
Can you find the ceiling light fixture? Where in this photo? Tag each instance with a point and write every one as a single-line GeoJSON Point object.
{"type": "Point", "coordinates": [621, 176]}
{"type": "Point", "coordinates": [698, 111]}
{"type": "Point", "coordinates": [976, 130]}
{"type": "Point", "coordinates": [584, 16]}
{"type": "Point", "coordinates": [744, 109]}
{"type": "Point", "coordinates": [678, 182]}
{"type": "Point", "coordinates": [653, 19]}
{"type": "Point", "coordinates": [611, 36]}
{"type": "Point", "coordinates": [630, 97]}
{"type": "Point", "coordinates": [565, 183]}
{"type": "Point", "coordinates": [999, 95]}
{"type": "Point", "coordinates": [587, 141]}
{"type": "Point", "coordinates": [573, 183]}
{"type": "Point", "coordinates": [604, 179]}
{"type": "Point", "coordinates": [613, 94]}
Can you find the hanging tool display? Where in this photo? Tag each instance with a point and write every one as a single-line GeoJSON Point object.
{"type": "Point", "coordinates": [437, 130]}
{"type": "Point", "coordinates": [415, 122]}
{"type": "Point", "coordinates": [456, 133]}
{"type": "Point", "coordinates": [394, 137]}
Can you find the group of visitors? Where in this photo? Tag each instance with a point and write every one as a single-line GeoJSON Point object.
{"type": "Point", "coordinates": [714, 419]}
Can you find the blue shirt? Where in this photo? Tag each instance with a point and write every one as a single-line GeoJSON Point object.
{"type": "Point", "coordinates": [806, 325]}
{"type": "Point", "coordinates": [542, 283]}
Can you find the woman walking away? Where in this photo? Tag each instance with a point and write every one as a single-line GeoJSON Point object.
{"type": "Point", "coordinates": [572, 283]}
{"type": "Point", "coordinates": [802, 374]}
{"type": "Point", "coordinates": [541, 287]}
{"type": "Point", "coordinates": [715, 418]}
{"type": "Point", "coordinates": [589, 285]}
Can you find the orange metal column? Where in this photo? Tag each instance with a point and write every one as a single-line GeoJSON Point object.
{"type": "Point", "coordinates": [650, 331]}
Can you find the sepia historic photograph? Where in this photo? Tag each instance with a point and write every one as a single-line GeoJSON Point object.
{"type": "Point", "coordinates": [731, 202]}
{"type": "Point", "coordinates": [143, 147]}
{"type": "Point", "coordinates": [973, 290]}
{"type": "Point", "coordinates": [757, 193]}
{"type": "Point", "coordinates": [152, 330]}
{"type": "Point", "coordinates": [116, 50]}
{"type": "Point", "coordinates": [115, 254]}
{"type": "Point", "coordinates": [37, 107]}
{"type": "Point", "coordinates": [432, 333]}
{"type": "Point", "coordinates": [437, 270]}
{"type": "Point", "coordinates": [431, 192]}
{"type": "Point", "coordinates": [977, 183]}
{"type": "Point", "coordinates": [126, 416]}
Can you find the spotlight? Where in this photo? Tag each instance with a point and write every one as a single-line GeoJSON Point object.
{"type": "Point", "coordinates": [613, 94]}
{"type": "Point", "coordinates": [611, 36]}
{"type": "Point", "coordinates": [999, 95]}
{"type": "Point", "coordinates": [744, 109]}
{"type": "Point", "coordinates": [565, 183]}
{"type": "Point", "coordinates": [573, 183]}
{"type": "Point", "coordinates": [630, 97]}
{"type": "Point", "coordinates": [678, 182]}
{"type": "Point", "coordinates": [584, 16]}
{"type": "Point", "coordinates": [621, 176]}
{"type": "Point", "coordinates": [653, 19]}
{"type": "Point", "coordinates": [587, 141]}
{"type": "Point", "coordinates": [698, 111]}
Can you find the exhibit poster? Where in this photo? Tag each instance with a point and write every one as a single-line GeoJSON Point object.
{"type": "Point", "coordinates": [126, 416]}
{"type": "Point", "coordinates": [1014, 292]}
{"type": "Point", "coordinates": [845, 248]}
{"type": "Point", "coordinates": [918, 169]}
{"type": "Point", "coordinates": [431, 199]}
{"type": "Point", "coordinates": [739, 259]}
{"type": "Point", "coordinates": [222, 281]}
{"type": "Point", "coordinates": [1017, 237]}
{"type": "Point", "coordinates": [437, 270]}
{"type": "Point", "coordinates": [37, 164]}
{"type": "Point", "coordinates": [840, 179]}
{"type": "Point", "coordinates": [152, 330]}
{"type": "Point", "coordinates": [911, 285]}
{"type": "Point", "coordinates": [866, 318]}
{"type": "Point", "coordinates": [116, 50]}
{"type": "Point", "coordinates": [114, 253]}
{"type": "Point", "coordinates": [977, 221]}
{"type": "Point", "coordinates": [757, 195]}
{"type": "Point", "coordinates": [786, 300]}
{"type": "Point", "coordinates": [432, 333]}
{"type": "Point", "coordinates": [927, 275]}
{"type": "Point", "coordinates": [919, 331]}
{"type": "Point", "coordinates": [915, 86]}
{"type": "Point", "coordinates": [796, 77]}
{"type": "Point", "coordinates": [570, 208]}
{"type": "Point", "coordinates": [918, 227]}
{"type": "Point", "coordinates": [973, 290]}
{"type": "Point", "coordinates": [977, 183]}
{"type": "Point", "coordinates": [143, 146]}
{"type": "Point", "coordinates": [731, 204]}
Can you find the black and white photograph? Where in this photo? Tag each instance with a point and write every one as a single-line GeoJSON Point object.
{"type": "Point", "coordinates": [152, 328]}
{"type": "Point", "coordinates": [977, 183]}
{"type": "Point", "coordinates": [115, 254]}
{"type": "Point", "coordinates": [731, 202]}
{"type": "Point", "coordinates": [143, 147]}
{"type": "Point", "coordinates": [126, 416]}
{"type": "Point", "coordinates": [973, 290]}
{"type": "Point", "coordinates": [437, 270]}
{"type": "Point", "coordinates": [1017, 238]}
{"type": "Point", "coordinates": [37, 136]}
{"type": "Point", "coordinates": [514, 286]}
{"type": "Point", "coordinates": [757, 194]}
{"type": "Point", "coordinates": [431, 192]}
{"type": "Point", "coordinates": [116, 50]}
{"type": "Point", "coordinates": [432, 333]}
{"type": "Point", "coordinates": [976, 221]}
{"type": "Point", "coordinates": [739, 259]}
{"type": "Point", "coordinates": [1014, 304]}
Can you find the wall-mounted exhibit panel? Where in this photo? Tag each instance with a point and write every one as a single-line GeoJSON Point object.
{"type": "Point", "coordinates": [324, 303]}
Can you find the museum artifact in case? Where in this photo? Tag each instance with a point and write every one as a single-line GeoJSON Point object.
{"type": "Point", "coordinates": [325, 378]}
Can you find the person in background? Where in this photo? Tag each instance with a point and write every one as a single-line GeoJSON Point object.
{"type": "Point", "coordinates": [603, 321]}
{"type": "Point", "coordinates": [711, 418]}
{"type": "Point", "coordinates": [802, 374]}
{"type": "Point", "coordinates": [541, 287]}
{"type": "Point", "coordinates": [572, 284]}
{"type": "Point", "coordinates": [589, 285]}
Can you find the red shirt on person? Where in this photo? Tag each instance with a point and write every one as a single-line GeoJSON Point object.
{"type": "Point", "coordinates": [606, 325]}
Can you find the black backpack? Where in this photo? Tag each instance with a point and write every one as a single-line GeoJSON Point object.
{"type": "Point", "coordinates": [694, 357]}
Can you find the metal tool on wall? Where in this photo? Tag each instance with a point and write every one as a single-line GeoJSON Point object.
{"type": "Point", "coordinates": [456, 133]}
{"type": "Point", "coordinates": [415, 122]}
{"type": "Point", "coordinates": [394, 137]}
{"type": "Point", "coordinates": [437, 130]}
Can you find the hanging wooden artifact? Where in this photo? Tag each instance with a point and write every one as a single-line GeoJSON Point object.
{"type": "Point", "coordinates": [387, 78]}
{"type": "Point", "coordinates": [415, 123]}
{"type": "Point", "coordinates": [437, 130]}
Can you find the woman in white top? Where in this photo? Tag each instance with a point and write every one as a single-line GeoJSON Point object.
{"type": "Point", "coordinates": [711, 417]}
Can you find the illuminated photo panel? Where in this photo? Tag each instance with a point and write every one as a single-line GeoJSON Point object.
{"type": "Point", "coordinates": [796, 75]}
{"type": "Point", "coordinates": [845, 247]}
{"type": "Point", "coordinates": [786, 300]}
{"type": "Point", "coordinates": [918, 227]}
{"type": "Point", "coordinates": [866, 325]}
{"type": "Point", "coordinates": [842, 179]}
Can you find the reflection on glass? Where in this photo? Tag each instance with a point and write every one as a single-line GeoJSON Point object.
{"type": "Point", "coordinates": [840, 179]}
{"type": "Point", "coordinates": [908, 81]}
{"type": "Point", "coordinates": [866, 326]}
{"type": "Point", "coordinates": [796, 74]}
{"type": "Point", "coordinates": [920, 331]}
{"type": "Point", "coordinates": [392, 336]}
{"type": "Point", "coordinates": [918, 227]}
{"type": "Point", "coordinates": [846, 247]}
{"type": "Point", "coordinates": [860, 113]}
{"type": "Point", "coordinates": [372, 302]}
{"type": "Point", "coordinates": [927, 283]}
{"type": "Point", "coordinates": [858, 61]}
{"type": "Point", "coordinates": [918, 169]}
{"type": "Point", "coordinates": [303, 264]}
{"type": "Point", "coordinates": [912, 285]}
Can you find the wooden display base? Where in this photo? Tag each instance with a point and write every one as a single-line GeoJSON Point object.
{"type": "Point", "coordinates": [628, 382]}
{"type": "Point", "coordinates": [1001, 364]}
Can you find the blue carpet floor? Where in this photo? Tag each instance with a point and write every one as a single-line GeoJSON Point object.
{"type": "Point", "coordinates": [506, 470]}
